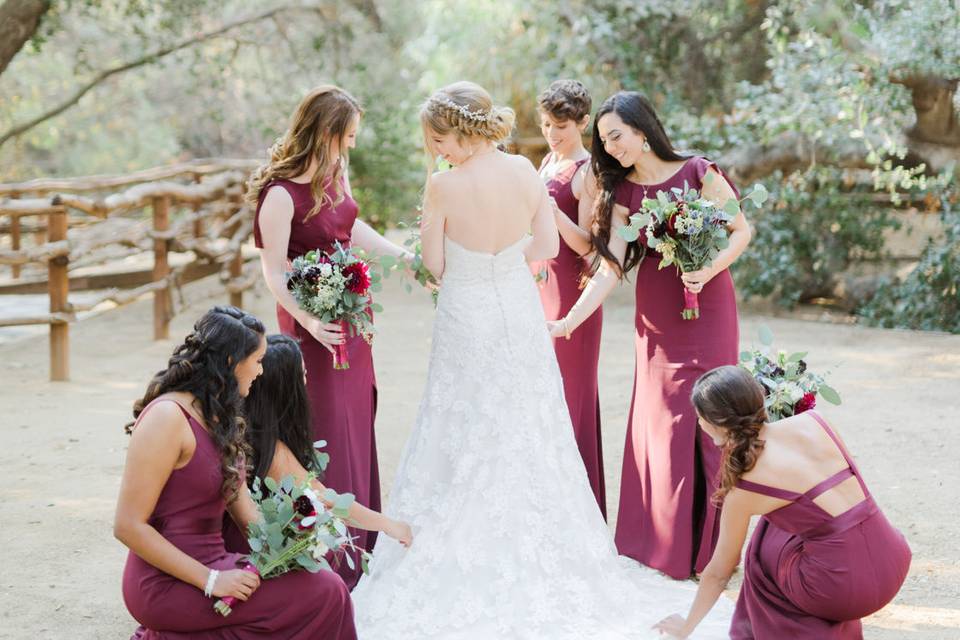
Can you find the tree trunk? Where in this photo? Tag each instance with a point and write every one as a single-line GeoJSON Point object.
{"type": "Point", "coordinates": [19, 20]}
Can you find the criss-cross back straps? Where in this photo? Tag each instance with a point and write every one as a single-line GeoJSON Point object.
{"type": "Point", "coordinates": [840, 476]}
{"type": "Point", "coordinates": [767, 490]}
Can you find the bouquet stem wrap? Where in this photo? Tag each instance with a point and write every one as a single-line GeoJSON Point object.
{"type": "Point", "coordinates": [340, 358]}
{"type": "Point", "coordinates": [691, 305]}
{"type": "Point", "coordinates": [224, 605]}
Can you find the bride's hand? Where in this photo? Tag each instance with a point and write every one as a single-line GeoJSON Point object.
{"type": "Point", "coordinates": [400, 531]}
{"type": "Point", "coordinates": [326, 333]}
{"type": "Point", "coordinates": [558, 328]}
{"type": "Point", "coordinates": [672, 626]}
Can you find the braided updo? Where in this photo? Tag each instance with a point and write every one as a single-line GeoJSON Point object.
{"type": "Point", "coordinates": [728, 397]}
{"type": "Point", "coordinates": [203, 365]}
{"type": "Point", "coordinates": [465, 108]}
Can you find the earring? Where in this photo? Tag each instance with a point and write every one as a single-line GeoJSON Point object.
{"type": "Point", "coordinates": [646, 146]}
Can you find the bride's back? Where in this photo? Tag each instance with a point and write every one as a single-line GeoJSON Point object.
{"type": "Point", "coordinates": [496, 197]}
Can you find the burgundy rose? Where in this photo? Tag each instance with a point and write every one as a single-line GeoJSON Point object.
{"type": "Point", "coordinates": [358, 277]}
{"type": "Point", "coordinates": [659, 229]}
{"type": "Point", "coordinates": [304, 507]}
{"type": "Point", "coordinates": [672, 220]}
{"type": "Point", "coordinates": [312, 274]}
{"type": "Point", "coordinates": [807, 402]}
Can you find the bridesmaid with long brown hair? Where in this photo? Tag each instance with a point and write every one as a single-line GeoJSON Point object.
{"type": "Point", "coordinates": [665, 518]}
{"type": "Point", "coordinates": [564, 109]}
{"type": "Point", "coordinates": [303, 202]}
{"type": "Point", "coordinates": [823, 555]}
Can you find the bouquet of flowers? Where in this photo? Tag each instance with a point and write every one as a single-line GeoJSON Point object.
{"type": "Point", "coordinates": [336, 288]}
{"type": "Point", "coordinates": [687, 230]}
{"type": "Point", "coordinates": [297, 531]}
{"type": "Point", "coordinates": [790, 387]}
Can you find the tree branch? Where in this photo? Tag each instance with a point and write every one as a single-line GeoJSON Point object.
{"type": "Point", "coordinates": [788, 153]}
{"type": "Point", "coordinates": [149, 58]}
{"type": "Point", "coordinates": [19, 20]}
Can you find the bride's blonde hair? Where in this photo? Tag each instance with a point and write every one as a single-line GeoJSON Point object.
{"type": "Point", "coordinates": [465, 108]}
{"type": "Point", "coordinates": [324, 115]}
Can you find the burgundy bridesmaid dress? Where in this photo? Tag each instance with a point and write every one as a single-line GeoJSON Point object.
{"type": "Point", "coordinates": [577, 356]}
{"type": "Point", "coordinates": [809, 574]}
{"type": "Point", "coordinates": [666, 519]}
{"type": "Point", "coordinates": [343, 403]}
{"type": "Point", "coordinates": [189, 513]}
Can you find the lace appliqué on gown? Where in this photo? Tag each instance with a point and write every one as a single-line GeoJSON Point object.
{"type": "Point", "coordinates": [509, 541]}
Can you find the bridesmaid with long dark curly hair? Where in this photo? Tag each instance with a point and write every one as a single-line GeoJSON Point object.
{"type": "Point", "coordinates": [823, 554]}
{"type": "Point", "coordinates": [185, 466]}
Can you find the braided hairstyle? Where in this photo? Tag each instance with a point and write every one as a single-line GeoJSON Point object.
{"type": "Point", "coordinates": [638, 114]}
{"type": "Point", "coordinates": [465, 108]}
{"type": "Point", "coordinates": [278, 409]}
{"type": "Point", "coordinates": [729, 397]}
{"type": "Point", "coordinates": [204, 366]}
{"type": "Point", "coordinates": [324, 115]}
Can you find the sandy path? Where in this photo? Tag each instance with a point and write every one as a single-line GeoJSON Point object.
{"type": "Point", "coordinates": [63, 449]}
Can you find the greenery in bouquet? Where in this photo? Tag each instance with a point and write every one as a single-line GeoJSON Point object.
{"type": "Point", "coordinates": [297, 530]}
{"type": "Point", "coordinates": [790, 386]}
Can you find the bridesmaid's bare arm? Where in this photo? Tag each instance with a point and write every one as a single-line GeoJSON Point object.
{"type": "Point", "coordinates": [161, 442]}
{"type": "Point", "coordinates": [738, 507]}
{"type": "Point", "coordinates": [577, 235]}
{"type": "Point", "coordinates": [717, 189]}
{"type": "Point", "coordinates": [432, 224]}
{"type": "Point", "coordinates": [276, 215]}
{"type": "Point", "coordinates": [285, 464]}
{"type": "Point", "coordinates": [600, 285]}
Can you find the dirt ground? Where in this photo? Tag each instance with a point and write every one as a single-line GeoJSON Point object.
{"type": "Point", "coordinates": [63, 448]}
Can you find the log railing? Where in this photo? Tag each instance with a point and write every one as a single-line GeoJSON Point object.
{"type": "Point", "coordinates": [192, 208]}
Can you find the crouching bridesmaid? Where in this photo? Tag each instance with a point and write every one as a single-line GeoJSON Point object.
{"type": "Point", "coordinates": [184, 468]}
{"type": "Point", "coordinates": [823, 555]}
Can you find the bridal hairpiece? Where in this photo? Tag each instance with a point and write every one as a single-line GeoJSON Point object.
{"type": "Point", "coordinates": [476, 116]}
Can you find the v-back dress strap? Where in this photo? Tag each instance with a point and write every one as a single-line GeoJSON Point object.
{"type": "Point", "coordinates": [852, 466]}
{"type": "Point", "coordinates": [766, 490]}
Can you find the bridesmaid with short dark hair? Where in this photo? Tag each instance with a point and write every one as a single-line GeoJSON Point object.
{"type": "Point", "coordinates": [564, 109]}
{"type": "Point", "coordinates": [185, 466]}
{"type": "Point", "coordinates": [823, 555]}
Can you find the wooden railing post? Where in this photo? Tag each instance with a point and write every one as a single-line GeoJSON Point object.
{"type": "Point", "coordinates": [198, 229]}
{"type": "Point", "coordinates": [162, 301]}
{"type": "Point", "coordinates": [236, 264]}
{"type": "Point", "coordinates": [58, 287]}
{"type": "Point", "coordinates": [15, 242]}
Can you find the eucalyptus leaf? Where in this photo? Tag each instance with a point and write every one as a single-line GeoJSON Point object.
{"type": "Point", "coordinates": [829, 394]}
{"type": "Point", "coordinates": [766, 336]}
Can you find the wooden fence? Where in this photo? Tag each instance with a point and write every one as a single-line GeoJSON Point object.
{"type": "Point", "coordinates": [194, 209]}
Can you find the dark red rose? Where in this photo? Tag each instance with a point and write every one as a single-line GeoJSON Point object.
{"type": "Point", "coordinates": [311, 274]}
{"type": "Point", "coordinates": [807, 402]}
{"type": "Point", "coordinates": [659, 229]}
{"type": "Point", "coordinates": [304, 507]}
{"type": "Point", "coordinates": [358, 277]}
{"type": "Point", "coordinates": [672, 225]}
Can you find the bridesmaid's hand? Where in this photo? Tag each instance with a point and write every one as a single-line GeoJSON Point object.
{"type": "Point", "coordinates": [237, 583]}
{"type": "Point", "coordinates": [401, 532]}
{"type": "Point", "coordinates": [558, 328]}
{"type": "Point", "coordinates": [695, 281]}
{"type": "Point", "coordinates": [326, 333]}
{"type": "Point", "coordinates": [672, 626]}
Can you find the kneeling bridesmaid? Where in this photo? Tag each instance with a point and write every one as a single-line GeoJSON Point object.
{"type": "Point", "coordinates": [184, 468]}
{"type": "Point", "coordinates": [823, 555]}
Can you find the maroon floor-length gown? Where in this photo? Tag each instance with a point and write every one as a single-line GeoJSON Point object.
{"type": "Point", "coordinates": [666, 519]}
{"type": "Point", "coordinates": [809, 574]}
{"type": "Point", "coordinates": [189, 513]}
{"type": "Point", "coordinates": [343, 403]}
{"type": "Point", "coordinates": [577, 356]}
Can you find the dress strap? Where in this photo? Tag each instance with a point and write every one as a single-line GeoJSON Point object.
{"type": "Point", "coordinates": [767, 490]}
{"type": "Point", "coordinates": [829, 483]}
{"type": "Point", "coordinates": [186, 414]}
{"type": "Point", "coordinates": [852, 466]}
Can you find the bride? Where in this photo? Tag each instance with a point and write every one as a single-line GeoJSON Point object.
{"type": "Point", "coordinates": [509, 540]}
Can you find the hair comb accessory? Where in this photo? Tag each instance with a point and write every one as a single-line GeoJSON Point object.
{"type": "Point", "coordinates": [476, 116]}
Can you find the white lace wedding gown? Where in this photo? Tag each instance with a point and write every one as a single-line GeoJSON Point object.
{"type": "Point", "coordinates": [509, 542]}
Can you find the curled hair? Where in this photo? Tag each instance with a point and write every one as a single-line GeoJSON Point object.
{"type": "Point", "coordinates": [278, 409]}
{"type": "Point", "coordinates": [565, 100]}
{"type": "Point", "coordinates": [323, 116]}
{"type": "Point", "coordinates": [466, 109]}
{"type": "Point", "coordinates": [638, 114]}
{"type": "Point", "coordinates": [729, 397]}
{"type": "Point", "coordinates": [203, 365]}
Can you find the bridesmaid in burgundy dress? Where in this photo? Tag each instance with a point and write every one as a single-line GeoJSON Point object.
{"type": "Point", "coordinates": [823, 555]}
{"type": "Point", "coordinates": [665, 518]}
{"type": "Point", "coordinates": [564, 114]}
{"type": "Point", "coordinates": [303, 202]}
{"type": "Point", "coordinates": [184, 467]}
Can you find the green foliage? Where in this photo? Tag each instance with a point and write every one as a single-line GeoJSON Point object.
{"type": "Point", "coordinates": [808, 234]}
{"type": "Point", "coordinates": [929, 296]}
